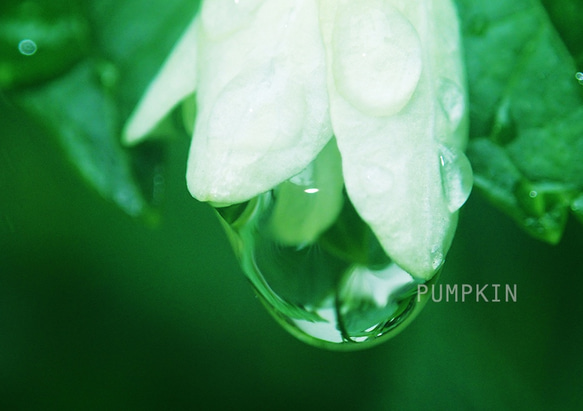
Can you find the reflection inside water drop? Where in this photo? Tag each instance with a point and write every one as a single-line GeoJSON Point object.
{"type": "Point", "coordinates": [335, 289]}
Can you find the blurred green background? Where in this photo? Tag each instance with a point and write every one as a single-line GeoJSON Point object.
{"type": "Point", "coordinates": [101, 311]}
{"type": "Point", "coordinates": [98, 311]}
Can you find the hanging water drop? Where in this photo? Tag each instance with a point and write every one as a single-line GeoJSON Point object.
{"type": "Point", "coordinates": [315, 264]}
{"type": "Point", "coordinates": [452, 101]}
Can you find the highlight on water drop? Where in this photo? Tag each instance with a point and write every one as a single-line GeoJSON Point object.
{"type": "Point", "coordinates": [27, 47]}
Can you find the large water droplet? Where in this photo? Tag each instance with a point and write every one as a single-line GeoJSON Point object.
{"type": "Point", "coordinates": [339, 291]}
{"type": "Point", "coordinates": [377, 58]}
{"type": "Point", "coordinates": [456, 176]}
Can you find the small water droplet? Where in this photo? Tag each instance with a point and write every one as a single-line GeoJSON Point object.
{"type": "Point", "coordinates": [579, 77]}
{"type": "Point", "coordinates": [456, 176]}
{"type": "Point", "coordinates": [27, 47]}
{"type": "Point", "coordinates": [452, 101]}
{"type": "Point", "coordinates": [533, 194]}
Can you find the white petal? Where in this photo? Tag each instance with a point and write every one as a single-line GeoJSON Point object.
{"type": "Point", "coordinates": [404, 170]}
{"type": "Point", "coordinates": [176, 80]}
{"type": "Point", "coordinates": [262, 100]}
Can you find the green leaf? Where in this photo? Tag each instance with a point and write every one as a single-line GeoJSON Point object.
{"type": "Point", "coordinates": [83, 118]}
{"type": "Point", "coordinates": [526, 113]}
{"type": "Point", "coordinates": [124, 44]}
{"type": "Point", "coordinates": [39, 40]}
{"type": "Point", "coordinates": [566, 16]}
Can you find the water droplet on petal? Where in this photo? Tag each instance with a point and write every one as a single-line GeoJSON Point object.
{"type": "Point", "coordinates": [452, 101]}
{"type": "Point", "coordinates": [456, 176]}
{"type": "Point", "coordinates": [376, 58]}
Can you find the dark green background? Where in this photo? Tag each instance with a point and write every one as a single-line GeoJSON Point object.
{"type": "Point", "coordinates": [97, 311]}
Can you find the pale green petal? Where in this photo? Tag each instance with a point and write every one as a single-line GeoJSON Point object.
{"type": "Point", "coordinates": [309, 203]}
{"type": "Point", "coordinates": [262, 99]}
{"type": "Point", "coordinates": [401, 145]}
{"type": "Point", "coordinates": [176, 80]}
